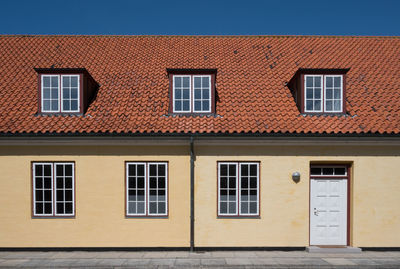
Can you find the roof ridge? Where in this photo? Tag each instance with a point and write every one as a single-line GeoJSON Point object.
{"type": "Point", "coordinates": [199, 36]}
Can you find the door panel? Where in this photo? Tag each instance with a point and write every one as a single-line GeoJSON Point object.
{"type": "Point", "coordinates": [328, 211]}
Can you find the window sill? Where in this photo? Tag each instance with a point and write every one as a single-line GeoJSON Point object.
{"type": "Point", "coordinates": [146, 217]}
{"type": "Point", "coordinates": [191, 114]}
{"type": "Point", "coordinates": [325, 114]}
{"type": "Point", "coordinates": [238, 217]}
{"type": "Point", "coordinates": [54, 217]}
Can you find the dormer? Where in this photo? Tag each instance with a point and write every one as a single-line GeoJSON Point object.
{"type": "Point", "coordinates": [192, 91]}
{"type": "Point", "coordinates": [320, 91]}
{"type": "Point", "coordinates": [64, 91]}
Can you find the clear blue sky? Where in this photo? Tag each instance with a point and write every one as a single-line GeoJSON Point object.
{"type": "Point", "coordinates": [201, 17]}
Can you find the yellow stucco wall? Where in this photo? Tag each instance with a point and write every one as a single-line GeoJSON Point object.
{"type": "Point", "coordinates": [284, 212]}
{"type": "Point", "coordinates": [100, 218]}
{"type": "Point", "coordinates": [100, 210]}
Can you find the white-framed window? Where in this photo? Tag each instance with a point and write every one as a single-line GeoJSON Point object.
{"type": "Point", "coordinates": [53, 188]}
{"type": "Point", "coordinates": [191, 93]}
{"type": "Point", "coordinates": [60, 93]}
{"type": "Point", "coordinates": [323, 93]}
{"type": "Point", "coordinates": [238, 188]}
{"type": "Point", "coordinates": [146, 189]}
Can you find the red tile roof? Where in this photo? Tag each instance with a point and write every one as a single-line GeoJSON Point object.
{"type": "Point", "coordinates": [251, 78]}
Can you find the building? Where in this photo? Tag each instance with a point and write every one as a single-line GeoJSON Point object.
{"type": "Point", "coordinates": [188, 141]}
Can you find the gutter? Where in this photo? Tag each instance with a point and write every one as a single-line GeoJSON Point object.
{"type": "Point", "coordinates": [192, 159]}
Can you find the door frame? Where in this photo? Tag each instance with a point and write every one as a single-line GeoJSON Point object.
{"type": "Point", "coordinates": [348, 167]}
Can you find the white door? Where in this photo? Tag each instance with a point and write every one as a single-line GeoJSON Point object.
{"type": "Point", "coordinates": [328, 211]}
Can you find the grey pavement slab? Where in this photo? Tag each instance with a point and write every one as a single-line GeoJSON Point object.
{"type": "Point", "coordinates": [187, 262]}
{"type": "Point", "coordinates": [238, 261]}
{"type": "Point", "coordinates": [339, 261]}
{"type": "Point", "coordinates": [213, 262]}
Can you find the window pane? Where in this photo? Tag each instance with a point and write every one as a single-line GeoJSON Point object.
{"type": "Point", "coordinates": [74, 81]}
{"type": "Point", "coordinates": [329, 82]}
{"type": "Point", "coordinates": [74, 93]}
{"type": "Point", "coordinates": [153, 208]}
{"type": "Point", "coordinates": [340, 171]}
{"type": "Point", "coordinates": [337, 81]}
{"type": "Point", "coordinates": [186, 82]}
{"type": "Point", "coordinates": [178, 106]}
{"type": "Point", "coordinates": [309, 93]}
{"type": "Point", "coordinates": [68, 208]}
{"type": "Point", "coordinates": [336, 105]}
{"type": "Point", "coordinates": [206, 82]}
{"type": "Point", "coordinates": [253, 208]}
{"type": "Point", "coordinates": [38, 170]}
{"type": "Point", "coordinates": [46, 105]}
{"type": "Point", "coordinates": [309, 105]}
{"type": "Point", "coordinates": [178, 81]}
{"type": "Point", "coordinates": [223, 207]}
{"type": "Point", "coordinates": [153, 182]}
{"type": "Point", "coordinates": [244, 207]}
{"type": "Point", "coordinates": [309, 82]}
{"type": "Point", "coordinates": [337, 94]}
{"type": "Point", "coordinates": [316, 171]}
{"type": "Point", "coordinates": [47, 170]}
{"type": "Point", "coordinates": [317, 82]}
{"type": "Point", "coordinates": [48, 208]}
{"type": "Point", "coordinates": [66, 94]}
{"type": "Point", "coordinates": [197, 105]}
{"type": "Point", "coordinates": [54, 93]}
{"type": "Point", "coordinates": [329, 93]}
{"type": "Point", "coordinates": [54, 105]}
{"type": "Point", "coordinates": [161, 208]}
{"type": "Point", "coordinates": [197, 94]}
{"type": "Point", "coordinates": [46, 94]}
{"type": "Point", "coordinates": [317, 105]}
{"type": "Point", "coordinates": [46, 81]}
{"type": "Point", "coordinates": [178, 94]}
{"type": "Point", "coordinates": [317, 93]}
{"type": "Point", "coordinates": [132, 207]}
{"type": "Point", "coordinates": [39, 195]}
{"type": "Point", "coordinates": [39, 208]}
{"type": "Point", "coordinates": [65, 82]}
{"type": "Point", "coordinates": [54, 81]}
{"type": "Point", "coordinates": [197, 82]}
{"type": "Point", "coordinates": [329, 105]}
{"type": "Point", "coordinates": [327, 171]}
{"type": "Point", "coordinates": [39, 183]}
{"type": "Point", "coordinates": [206, 106]}
{"type": "Point", "coordinates": [206, 94]}
{"type": "Point", "coordinates": [140, 208]}
{"type": "Point", "coordinates": [223, 170]}
{"type": "Point", "coordinates": [161, 170]}
{"type": "Point", "coordinates": [223, 195]}
{"type": "Point", "coordinates": [186, 94]}
{"type": "Point", "coordinates": [186, 105]}
{"type": "Point", "coordinates": [60, 208]}
{"type": "Point", "coordinates": [66, 105]}
{"type": "Point", "coordinates": [232, 207]}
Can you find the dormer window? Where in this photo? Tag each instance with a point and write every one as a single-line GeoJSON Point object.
{"type": "Point", "coordinates": [65, 91]}
{"type": "Point", "coordinates": [192, 93]}
{"type": "Point", "coordinates": [319, 91]}
{"type": "Point", "coordinates": [323, 93]}
{"type": "Point", "coordinates": [60, 93]}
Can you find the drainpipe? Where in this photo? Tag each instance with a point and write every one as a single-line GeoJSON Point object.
{"type": "Point", "coordinates": [192, 159]}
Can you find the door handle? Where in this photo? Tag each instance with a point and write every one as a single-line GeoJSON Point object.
{"type": "Point", "coordinates": [316, 212]}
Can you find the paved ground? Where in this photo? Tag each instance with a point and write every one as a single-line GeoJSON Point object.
{"type": "Point", "coordinates": [183, 259]}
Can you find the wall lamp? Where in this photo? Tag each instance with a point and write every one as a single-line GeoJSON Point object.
{"type": "Point", "coordinates": [296, 177]}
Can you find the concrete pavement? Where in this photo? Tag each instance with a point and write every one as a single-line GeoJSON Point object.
{"type": "Point", "coordinates": [184, 259]}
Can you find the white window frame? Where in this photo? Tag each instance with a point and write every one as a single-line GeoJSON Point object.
{"type": "Point", "coordinates": [238, 190]}
{"type": "Point", "coordinates": [191, 94]}
{"type": "Point", "coordinates": [60, 91]}
{"type": "Point", "coordinates": [323, 94]}
{"type": "Point", "coordinates": [219, 188]}
{"type": "Point", "coordinates": [53, 189]}
{"type": "Point", "coordinates": [258, 189]}
{"type": "Point", "coordinates": [341, 93]}
{"type": "Point", "coordinates": [209, 94]}
{"type": "Point", "coordinates": [61, 94]}
{"type": "Point", "coordinates": [34, 189]}
{"type": "Point", "coordinates": [42, 93]}
{"type": "Point", "coordinates": [146, 190]}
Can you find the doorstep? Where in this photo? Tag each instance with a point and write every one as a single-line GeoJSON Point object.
{"type": "Point", "coordinates": [333, 250]}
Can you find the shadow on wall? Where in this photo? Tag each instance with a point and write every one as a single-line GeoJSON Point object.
{"type": "Point", "coordinates": [159, 150]}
